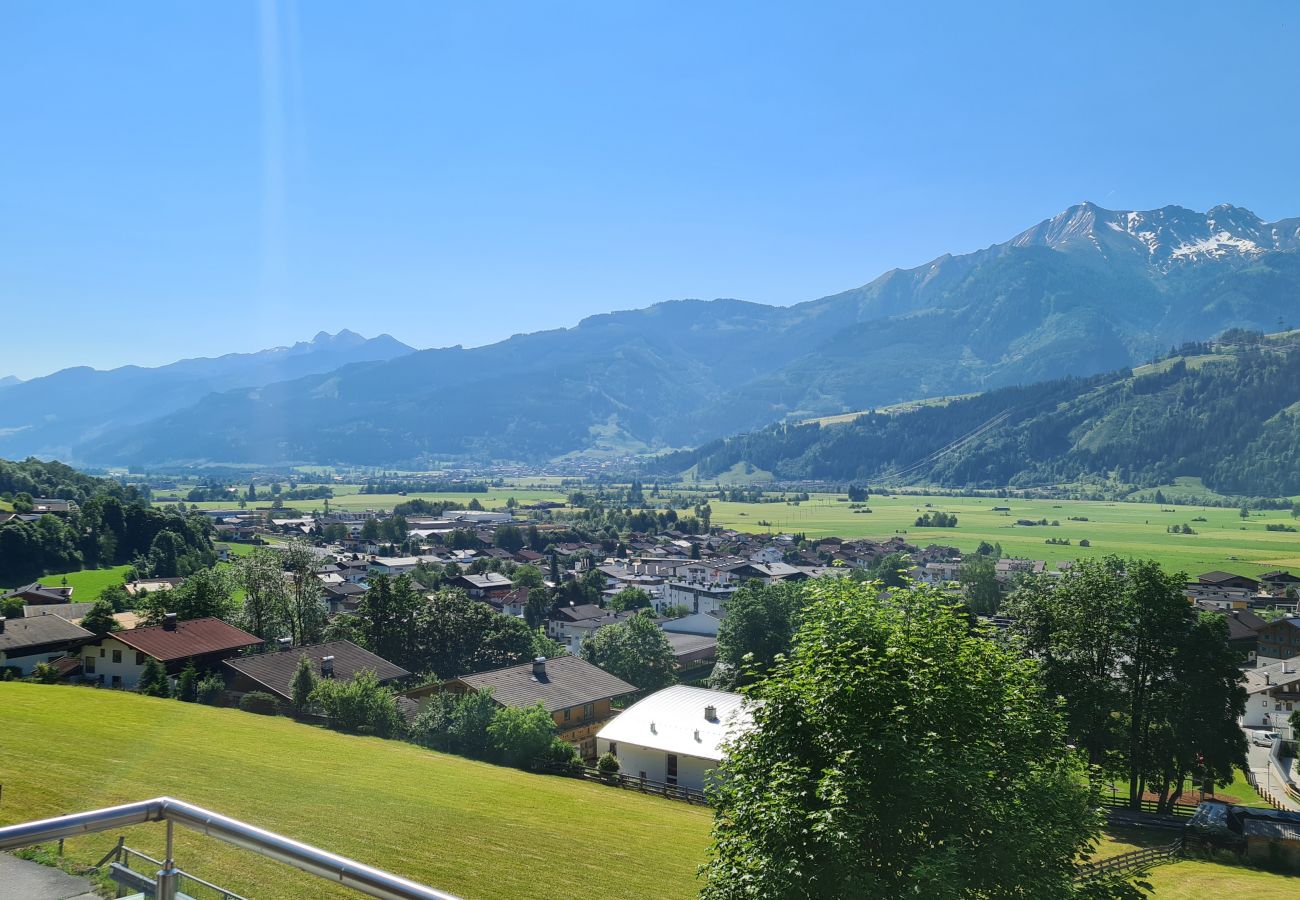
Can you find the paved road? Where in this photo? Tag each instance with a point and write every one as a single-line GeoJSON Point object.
{"type": "Point", "coordinates": [1269, 779]}
{"type": "Point", "coordinates": [21, 879]}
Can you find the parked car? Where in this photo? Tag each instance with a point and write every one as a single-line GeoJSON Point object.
{"type": "Point", "coordinates": [1263, 738]}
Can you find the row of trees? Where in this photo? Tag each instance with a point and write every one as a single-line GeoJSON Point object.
{"type": "Point", "coordinates": [1151, 690]}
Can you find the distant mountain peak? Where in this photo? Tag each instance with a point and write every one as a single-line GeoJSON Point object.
{"type": "Point", "coordinates": [7, 380]}
{"type": "Point", "coordinates": [1161, 238]}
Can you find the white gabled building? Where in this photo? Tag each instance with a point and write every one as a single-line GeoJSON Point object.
{"type": "Point", "coordinates": [674, 736]}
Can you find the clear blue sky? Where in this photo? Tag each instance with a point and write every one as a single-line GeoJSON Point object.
{"type": "Point", "coordinates": [181, 179]}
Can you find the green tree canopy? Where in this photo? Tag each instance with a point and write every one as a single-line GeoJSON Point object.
{"type": "Point", "coordinates": [636, 650]}
{"type": "Point", "coordinates": [898, 753]}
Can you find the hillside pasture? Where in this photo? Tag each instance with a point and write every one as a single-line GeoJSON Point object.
{"type": "Point", "coordinates": [477, 830]}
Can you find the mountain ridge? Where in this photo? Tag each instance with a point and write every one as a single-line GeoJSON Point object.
{"type": "Point", "coordinates": [1086, 291]}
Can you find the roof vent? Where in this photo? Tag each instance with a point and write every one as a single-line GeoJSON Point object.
{"type": "Point", "coordinates": [169, 622]}
{"type": "Point", "coordinates": [284, 643]}
{"type": "Point", "coordinates": [710, 714]}
{"type": "Point", "coordinates": [539, 667]}
{"type": "Point", "coordinates": [327, 667]}
{"type": "Point", "coordinates": [697, 734]}
{"type": "Point", "coordinates": [653, 730]}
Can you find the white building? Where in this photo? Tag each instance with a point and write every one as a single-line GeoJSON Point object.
{"type": "Point", "coordinates": [1272, 694]}
{"type": "Point", "coordinates": [118, 658]}
{"type": "Point", "coordinates": [697, 597]}
{"type": "Point", "coordinates": [674, 736]}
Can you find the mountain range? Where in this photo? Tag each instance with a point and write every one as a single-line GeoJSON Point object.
{"type": "Point", "coordinates": [1088, 291]}
{"type": "Point", "coordinates": [66, 414]}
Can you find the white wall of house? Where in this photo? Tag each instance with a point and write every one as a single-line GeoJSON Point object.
{"type": "Point", "coordinates": [118, 664]}
{"type": "Point", "coordinates": [25, 664]}
{"type": "Point", "coordinates": [635, 761]}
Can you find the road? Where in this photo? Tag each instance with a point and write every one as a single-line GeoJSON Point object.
{"type": "Point", "coordinates": [1258, 760]}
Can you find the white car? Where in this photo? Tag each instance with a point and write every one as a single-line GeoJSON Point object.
{"type": "Point", "coordinates": [1263, 738]}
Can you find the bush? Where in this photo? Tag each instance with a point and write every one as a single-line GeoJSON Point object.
{"type": "Point", "coordinates": [521, 736]}
{"type": "Point", "coordinates": [361, 706]}
{"type": "Point", "coordinates": [562, 753]}
{"type": "Point", "coordinates": [608, 764]}
{"type": "Point", "coordinates": [259, 702]}
{"type": "Point", "coordinates": [46, 673]}
{"type": "Point", "coordinates": [210, 689]}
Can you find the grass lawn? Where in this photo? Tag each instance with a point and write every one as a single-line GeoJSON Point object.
{"type": "Point", "coordinates": [1223, 541]}
{"type": "Point", "coordinates": [1194, 879]}
{"type": "Point", "coordinates": [466, 827]}
{"type": "Point", "coordinates": [87, 583]}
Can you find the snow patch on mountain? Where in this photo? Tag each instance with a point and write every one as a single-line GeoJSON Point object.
{"type": "Point", "coordinates": [1215, 246]}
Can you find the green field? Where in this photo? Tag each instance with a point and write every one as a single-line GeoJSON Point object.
{"type": "Point", "coordinates": [1127, 529]}
{"type": "Point", "coordinates": [87, 583]}
{"type": "Point", "coordinates": [1194, 879]}
{"type": "Point", "coordinates": [470, 828]}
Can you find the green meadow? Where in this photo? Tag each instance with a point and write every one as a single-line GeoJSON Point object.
{"type": "Point", "coordinates": [1223, 540]}
{"type": "Point", "coordinates": [476, 830]}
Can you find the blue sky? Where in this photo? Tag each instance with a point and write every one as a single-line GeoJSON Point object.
{"type": "Point", "coordinates": [198, 178]}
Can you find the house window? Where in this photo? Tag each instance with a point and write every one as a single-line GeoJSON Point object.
{"type": "Point", "coordinates": [101, 652]}
{"type": "Point", "coordinates": [568, 714]}
{"type": "Point", "coordinates": [117, 656]}
{"type": "Point", "coordinates": [117, 681]}
{"type": "Point", "coordinates": [90, 665]}
{"type": "Point", "coordinates": [588, 710]}
{"type": "Point", "coordinates": [671, 769]}
{"type": "Point", "coordinates": [139, 658]}
{"type": "Point", "coordinates": [613, 747]}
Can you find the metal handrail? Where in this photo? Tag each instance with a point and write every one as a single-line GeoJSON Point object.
{"type": "Point", "coordinates": [330, 866]}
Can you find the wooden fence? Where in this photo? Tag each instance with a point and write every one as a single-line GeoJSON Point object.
{"type": "Point", "coordinates": [1133, 861]}
{"type": "Point", "coordinates": [632, 783]}
{"type": "Point", "coordinates": [1182, 810]}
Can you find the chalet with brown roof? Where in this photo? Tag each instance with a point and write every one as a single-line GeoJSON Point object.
{"type": "Point", "coordinates": [118, 659]}
{"type": "Point", "coordinates": [37, 594]}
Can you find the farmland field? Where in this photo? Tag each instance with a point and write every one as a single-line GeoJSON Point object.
{"type": "Point", "coordinates": [474, 829]}
{"type": "Point", "coordinates": [1222, 541]}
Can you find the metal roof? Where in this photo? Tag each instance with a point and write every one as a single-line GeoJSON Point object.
{"type": "Point", "coordinates": [22, 633]}
{"type": "Point", "coordinates": [275, 669]}
{"type": "Point", "coordinates": [672, 720]}
{"type": "Point", "coordinates": [195, 637]}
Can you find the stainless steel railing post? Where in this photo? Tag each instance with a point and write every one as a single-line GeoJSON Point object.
{"type": "Point", "coordinates": [168, 875]}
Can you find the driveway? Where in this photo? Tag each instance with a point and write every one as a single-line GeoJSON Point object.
{"type": "Point", "coordinates": [21, 879]}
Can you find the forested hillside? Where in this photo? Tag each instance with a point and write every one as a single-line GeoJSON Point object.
{"type": "Point", "coordinates": [1228, 412]}
{"type": "Point", "coordinates": [110, 525]}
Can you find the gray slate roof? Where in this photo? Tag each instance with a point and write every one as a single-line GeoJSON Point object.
{"type": "Point", "coordinates": [67, 611]}
{"type": "Point", "coordinates": [568, 681]}
{"type": "Point", "coordinates": [38, 630]}
{"type": "Point", "coordinates": [275, 668]}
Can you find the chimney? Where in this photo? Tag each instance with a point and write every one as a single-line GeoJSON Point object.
{"type": "Point", "coordinates": [327, 667]}
{"type": "Point", "coordinates": [284, 643]}
{"type": "Point", "coordinates": [169, 622]}
{"type": "Point", "coordinates": [1268, 678]}
{"type": "Point", "coordinates": [710, 713]}
{"type": "Point", "coordinates": [539, 667]}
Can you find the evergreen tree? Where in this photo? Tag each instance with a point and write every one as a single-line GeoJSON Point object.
{"type": "Point", "coordinates": [187, 688]}
{"type": "Point", "coordinates": [153, 680]}
{"type": "Point", "coordinates": [304, 682]}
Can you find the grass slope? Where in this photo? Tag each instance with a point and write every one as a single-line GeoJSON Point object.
{"type": "Point", "coordinates": [1194, 879]}
{"type": "Point", "coordinates": [466, 827]}
{"type": "Point", "coordinates": [87, 583]}
{"type": "Point", "coordinates": [1126, 529]}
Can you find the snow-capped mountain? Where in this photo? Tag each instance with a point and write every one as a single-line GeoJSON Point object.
{"type": "Point", "coordinates": [1162, 238]}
